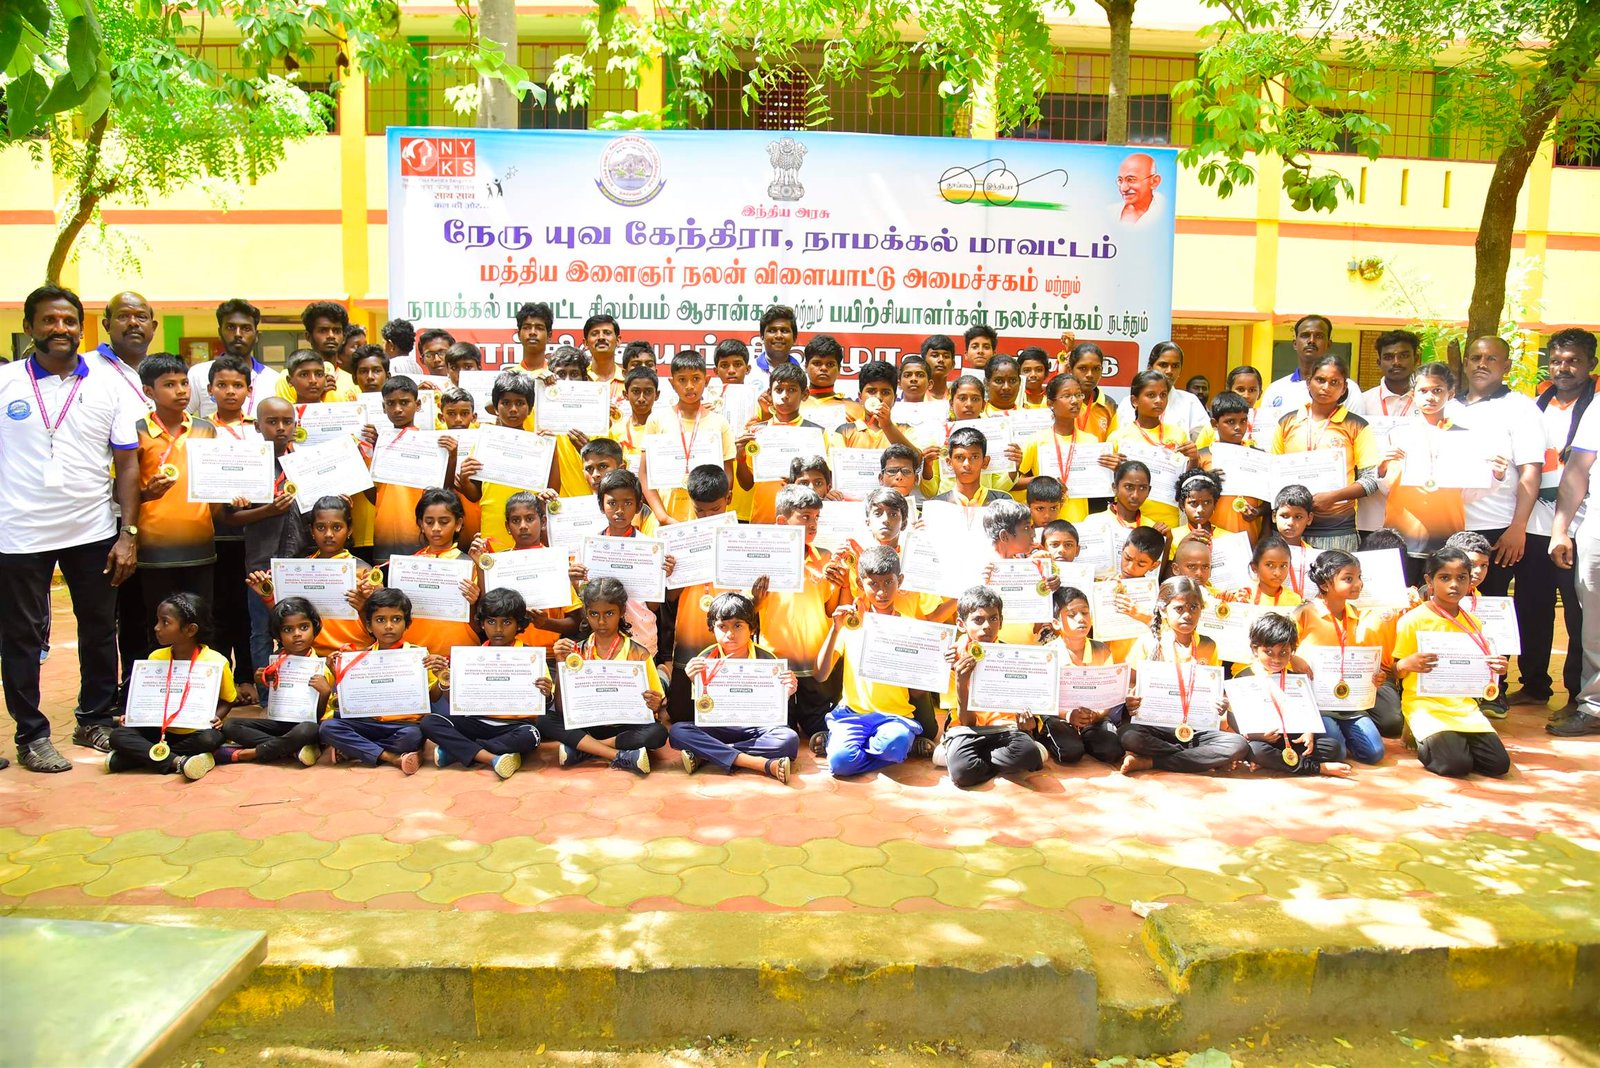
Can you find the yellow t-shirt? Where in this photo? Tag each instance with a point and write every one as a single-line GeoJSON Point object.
{"type": "Point", "coordinates": [862, 695]}
{"type": "Point", "coordinates": [1427, 716]}
{"type": "Point", "coordinates": [344, 387]}
{"type": "Point", "coordinates": [1048, 453]}
{"type": "Point", "coordinates": [208, 655]}
{"type": "Point", "coordinates": [1164, 436]}
{"type": "Point", "coordinates": [793, 625]}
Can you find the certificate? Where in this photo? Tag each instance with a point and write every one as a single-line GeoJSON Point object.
{"type": "Point", "coordinates": [293, 700]}
{"type": "Point", "coordinates": [1321, 471]}
{"type": "Point", "coordinates": [855, 471]}
{"type": "Point", "coordinates": [922, 566]}
{"type": "Point", "coordinates": [335, 469]}
{"type": "Point", "coordinates": [1021, 679]}
{"type": "Point", "coordinates": [1245, 472]}
{"type": "Point", "coordinates": [1229, 627]}
{"type": "Point", "coordinates": [1165, 466]}
{"type": "Point", "coordinates": [322, 582]}
{"type": "Point", "coordinates": [1442, 459]}
{"type": "Point", "coordinates": [1086, 476]}
{"type": "Point", "coordinates": [540, 575]}
{"type": "Point", "coordinates": [1099, 545]}
{"type": "Point", "coordinates": [738, 403]}
{"type": "Point", "coordinates": [161, 688]}
{"type": "Point", "coordinates": [743, 693]}
{"type": "Point", "coordinates": [668, 459]}
{"type": "Point", "coordinates": [1230, 559]}
{"type": "Point", "coordinates": [581, 406]}
{"type": "Point", "coordinates": [1498, 617]}
{"type": "Point", "coordinates": [1355, 664]}
{"type": "Point", "coordinates": [481, 385]}
{"type": "Point", "coordinates": [1075, 575]}
{"type": "Point", "coordinates": [1383, 579]}
{"type": "Point", "coordinates": [1027, 422]}
{"type": "Point", "coordinates": [746, 552]}
{"type": "Point", "coordinates": [222, 469]}
{"type": "Point", "coordinates": [841, 522]}
{"type": "Point", "coordinates": [1384, 427]}
{"type": "Point", "coordinates": [925, 417]}
{"type": "Point", "coordinates": [1096, 688]}
{"type": "Point", "coordinates": [900, 651]}
{"type": "Point", "coordinates": [1162, 703]}
{"type": "Point", "coordinates": [1021, 586]}
{"type": "Point", "coordinates": [638, 563]}
{"type": "Point", "coordinates": [1255, 702]}
{"type": "Point", "coordinates": [997, 434]}
{"type": "Point", "coordinates": [512, 457]}
{"type": "Point", "coordinates": [333, 420]}
{"type": "Point", "coordinates": [569, 520]}
{"type": "Point", "coordinates": [407, 457]}
{"type": "Point", "coordinates": [693, 548]}
{"type": "Point", "coordinates": [427, 410]}
{"type": "Point", "coordinates": [438, 383]}
{"type": "Point", "coordinates": [1111, 625]}
{"type": "Point", "coordinates": [382, 682]}
{"type": "Point", "coordinates": [434, 586]}
{"type": "Point", "coordinates": [1462, 669]}
{"type": "Point", "coordinates": [496, 682]}
{"type": "Point", "coordinates": [777, 447]}
{"type": "Point", "coordinates": [603, 692]}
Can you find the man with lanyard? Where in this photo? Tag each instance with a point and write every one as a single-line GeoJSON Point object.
{"type": "Point", "coordinates": [238, 323]}
{"type": "Point", "coordinates": [67, 424]}
{"type": "Point", "coordinates": [1387, 404]}
{"type": "Point", "coordinates": [1575, 498]}
{"type": "Point", "coordinates": [1504, 423]}
{"type": "Point", "coordinates": [1570, 393]}
{"type": "Point", "coordinates": [779, 330]}
{"type": "Point", "coordinates": [535, 320]}
{"type": "Point", "coordinates": [1313, 338]}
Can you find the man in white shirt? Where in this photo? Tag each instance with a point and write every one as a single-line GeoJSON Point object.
{"type": "Point", "coordinates": [68, 422]}
{"type": "Point", "coordinates": [1313, 338]}
{"type": "Point", "coordinates": [238, 324]}
{"type": "Point", "coordinates": [1574, 496]}
{"type": "Point", "coordinates": [1387, 404]}
{"type": "Point", "coordinates": [1184, 409]}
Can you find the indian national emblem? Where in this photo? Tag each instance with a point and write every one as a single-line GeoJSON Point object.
{"type": "Point", "coordinates": [786, 155]}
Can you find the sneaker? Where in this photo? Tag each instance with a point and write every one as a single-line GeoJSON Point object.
{"type": "Point", "coordinates": [1573, 725]}
{"type": "Point", "coordinates": [941, 755]}
{"type": "Point", "coordinates": [634, 760]}
{"type": "Point", "coordinates": [112, 764]}
{"type": "Point", "coordinates": [439, 759]}
{"type": "Point", "coordinates": [44, 654]}
{"type": "Point", "coordinates": [1493, 709]}
{"type": "Point", "coordinates": [93, 735]}
{"type": "Point", "coordinates": [410, 762]}
{"type": "Point", "coordinates": [922, 747]}
{"type": "Point", "coordinates": [194, 767]}
{"type": "Point", "coordinates": [1044, 754]}
{"type": "Point", "coordinates": [691, 763]}
{"type": "Point", "coordinates": [571, 755]}
{"type": "Point", "coordinates": [506, 764]}
{"type": "Point", "coordinates": [226, 754]}
{"type": "Point", "coordinates": [308, 756]}
{"type": "Point", "coordinates": [1527, 697]}
{"type": "Point", "coordinates": [4, 763]}
{"type": "Point", "coordinates": [40, 755]}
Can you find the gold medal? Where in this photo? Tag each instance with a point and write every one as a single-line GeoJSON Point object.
{"type": "Point", "coordinates": [705, 602]}
{"type": "Point", "coordinates": [1290, 757]}
{"type": "Point", "coordinates": [705, 704]}
{"type": "Point", "coordinates": [1241, 505]}
{"type": "Point", "coordinates": [374, 577]}
{"type": "Point", "coordinates": [444, 679]}
{"type": "Point", "coordinates": [1490, 692]}
{"type": "Point", "coordinates": [1184, 733]}
{"type": "Point", "coordinates": [573, 661]}
{"type": "Point", "coordinates": [1043, 588]}
{"type": "Point", "coordinates": [976, 651]}
{"type": "Point", "coordinates": [553, 507]}
{"type": "Point", "coordinates": [1430, 485]}
{"type": "Point", "coordinates": [1222, 609]}
{"type": "Point", "coordinates": [1341, 689]}
{"type": "Point", "coordinates": [852, 621]}
{"type": "Point", "coordinates": [266, 587]}
{"type": "Point", "coordinates": [161, 750]}
{"type": "Point", "coordinates": [169, 472]}
{"type": "Point", "coordinates": [752, 448]}
{"type": "Point", "coordinates": [486, 561]}
{"type": "Point", "coordinates": [291, 489]}
{"type": "Point", "coordinates": [300, 433]}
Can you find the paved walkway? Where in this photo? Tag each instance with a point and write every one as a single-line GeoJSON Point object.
{"type": "Point", "coordinates": [593, 838]}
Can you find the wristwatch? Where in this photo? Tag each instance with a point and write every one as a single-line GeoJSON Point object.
{"type": "Point", "coordinates": [130, 530]}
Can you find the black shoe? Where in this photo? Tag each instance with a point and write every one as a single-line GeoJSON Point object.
{"type": "Point", "coordinates": [4, 763]}
{"type": "Point", "coordinates": [93, 735]}
{"type": "Point", "coordinates": [41, 755]}
{"type": "Point", "coordinates": [1573, 725]}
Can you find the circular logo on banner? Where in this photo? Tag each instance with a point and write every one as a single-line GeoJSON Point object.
{"type": "Point", "coordinates": [630, 171]}
{"type": "Point", "coordinates": [19, 410]}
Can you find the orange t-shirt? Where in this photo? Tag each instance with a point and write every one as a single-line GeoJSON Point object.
{"type": "Point", "coordinates": [173, 532]}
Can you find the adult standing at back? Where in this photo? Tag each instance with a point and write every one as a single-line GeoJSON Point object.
{"type": "Point", "coordinates": [238, 326]}
{"type": "Point", "coordinates": [1324, 422]}
{"type": "Point", "coordinates": [1184, 410]}
{"type": "Point", "coordinates": [1313, 339]}
{"type": "Point", "coordinates": [68, 422]}
{"type": "Point", "coordinates": [1582, 552]}
{"type": "Point", "coordinates": [1387, 404]}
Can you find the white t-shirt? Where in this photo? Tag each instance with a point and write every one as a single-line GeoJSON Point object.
{"type": "Point", "coordinates": [406, 365]}
{"type": "Point", "coordinates": [56, 490]}
{"type": "Point", "coordinates": [1557, 422]}
{"type": "Point", "coordinates": [263, 384]}
{"type": "Point", "coordinates": [1508, 425]}
{"type": "Point", "coordinates": [1289, 394]}
{"type": "Point", "coordinates": [1587, 439]}
{"type": "Point", "coordinates": [1184, 411]}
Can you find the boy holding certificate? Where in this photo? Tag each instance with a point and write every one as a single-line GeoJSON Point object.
{"type": "Point", "coordinates": [511, 401]}
{"type": "Point", "coordinates": [875, 429]}
{"type": "Point", "coordinates": [690, 421]}
{"type": "Point", "coordinates": [1272, 643]}
{"type": "Point", "coordinates": [571, 365]}
{"type": "Point", "coordinates": [787, 390]}
{"type": "Point", "coordinates": [969, 451]}
{"type": "Point", "coordinates": [394, 523]}
{"type": "Point", "coordinates": [498, 744]}
{"type": "Point", "coordinates": [1080, 730]}
{"type": "Point", "coordinates": [395, 740]}
{"type": "Point", "coordinates": [266, 741]}
{"type": "Point", "coordinates": [983, 745]}
{"type": "Point", "coordinates": [708, 489]}
{"type": "Point", "coordinates": [228, 384]}
{"type": "Point", "coordinates": [181, 623]}
{"type": "Point", "coordinates": [1230, 425]}
{"type": "Point", "coordinates": [731, 618]}
{"type": "Point", "coordinates": [524, 522]}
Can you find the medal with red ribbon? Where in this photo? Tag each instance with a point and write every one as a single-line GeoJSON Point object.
{"type": "Point", "coordinates": [1290, 757]}
{"type": "Point", "coordinates": [161, 750]}
{"type": "Point", "coordinates": [1473, 630]}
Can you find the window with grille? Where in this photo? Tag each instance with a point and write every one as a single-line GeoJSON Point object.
{"type": "Point", "coordinates": [532, 115]}
{"type": "Point", "coordinates": [1082, 117]}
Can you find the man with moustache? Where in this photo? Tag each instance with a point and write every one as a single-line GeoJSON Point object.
{"type": "Point", "coordinates": [130, 327]}
{"type": "Point", "coordinates": [238, 324]}
{"type": "Point", "coordinates": [324, 323]}
{"type": "Point", "coordinates": [1313, 338]}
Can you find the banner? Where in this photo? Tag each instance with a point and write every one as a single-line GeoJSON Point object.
{"type": "Point", "coordinates": [687, 236]}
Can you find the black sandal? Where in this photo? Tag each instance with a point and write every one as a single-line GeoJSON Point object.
{"type": "Point", "coordinates": [819, 744]}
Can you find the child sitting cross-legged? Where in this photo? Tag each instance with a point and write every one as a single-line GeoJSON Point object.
{"type": "Point", "coordinates": [983, 745]}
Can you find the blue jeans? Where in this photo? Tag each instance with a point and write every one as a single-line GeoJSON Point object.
{"type": "Point", "coordinates": [367, 740]}
{"type": "Point", "coordinates": [1362, 741]}
{"type": "Point", "coordinates": [859, 742]}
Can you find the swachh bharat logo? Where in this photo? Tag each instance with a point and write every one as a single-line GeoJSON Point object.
{"type": "Point", "coordinates": [630, 172]}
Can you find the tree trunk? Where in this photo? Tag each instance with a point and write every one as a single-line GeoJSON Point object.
{"type": "Point", "coordinates": [90, 193]}
{"type": "Point", "coordinates": [1119, 13]}
{"type": "Point", "coordinates": [1569, 61]}
{"type": "Point", "coordinates": [497, 26]}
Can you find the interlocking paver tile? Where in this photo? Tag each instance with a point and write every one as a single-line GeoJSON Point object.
{"type": "Point", "coordinates": [999, 859]}
{"type": "Point", "coordinates": [1047, 889]}
{"type": "Point", "coordinates": [1213, 887]}
{"type": "Point", "coordinates": [365, 849]}
{"type": "Point", "coordinates": [753, 856]}
{"type": "Point", "coordinates": [1126, 886]}
{"type": "Point", "coordinates": [298, 876]}
{"type": "Point", "coordinates": [963, 888]}
{"type": "Point", "coordinates": [428, 854]}
{"type": "Point", "coordinates": [881, 888]}
{"type": "Point", "coordinates": [537, 884]}
{"type": "Point", "coordinates": [711, 885]}
{"type": "Point", "coordinates": [60, 870]}
{"type": "Point", "coordinates": [672, 856]}
{"type": "Point", "coordinates": [463, 879]}
{"type": "Point", "coordinates": [509, 854]}
{"type": "Point", "coordinates": [282, 849]}
{"type": "Point", "coordinates": [142, 843]}
{"type": "Point", "coordinates": [217, 873]}
{"type": "Point", "coordinates": [71, 841]}
{"type": "Point", "coordinates": [913, 858]}
{"type": "Point", "coordinates": [829, 856]}
{"type": "Point", "coordinates": [134, 873]}
{"type": "Point", "coordinates": [793, 886]}
{"type": "Point", "coordinates": [210, 845]}
{"type": "Point", "coordinates": [368, 881]}
{"type": "Point", "coordinates": [623, 884]}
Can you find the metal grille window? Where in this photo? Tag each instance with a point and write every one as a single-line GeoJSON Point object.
{"type": "Point", "coordinates": [787, 103]}
{"type": "Point", "coordinates": [317, 75]}
{"type": "Point", "coordinates": [1074, 108]}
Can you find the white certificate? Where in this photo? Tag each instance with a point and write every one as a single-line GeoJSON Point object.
{"type": "Point", "coordinates": [540, 575]}
{"type": "Point", "coordinates": [1162, 701]}
{"type": "Point", "coordinates": [738, 402]}
{"type": "Point", "coordinates": [1355, 665]}
{"type": "Point", "coordinates": [496, 682]}
{"type": "Point", "coordinates": [997, 434]}
{"type": "Point", "coordinates": [777, 447]}
{"type": "Point", "coordinates": [1086, 476]}
{"type": "Point", "coordinates": [580, 406]}
{"type": "Point", "coordinates": [322, 582]}
{"type": "Point", "coordinates": [1075, 575]}
{"type": "Point", "coordinates": [746, 552]}
{"type": "Point", "coordinates": [333, 421]}
{"type": "Point", "coordinates": [841, 522]}
{"type": "Point", "coordinates": [855, 471]}
{"type": "Point", "coordinates": [744, 693]}
{"type": "Point", "coordinates": [426, 417]}
{"type": "Point", "coordinates": [1015, 678]}
{"type": "Point", "coordinates": [1441, 459]}
{"type": "Point", "coordinates": [1227, 623]}
{"type": "Point", "coordinates": [693, 548]}
{"type": "Point", "coordinates": [1096, 688]}
{"type": "Point", "coordinates": [382, 682]}
{"type": "Point", "coordinates": [438, 383]}
{"type": "Point", "coordinates": [1498, 617]}
{"type": "Point", "coordinates": [1111, 625]}
{"type": "Point", "coordinates": [292, 699]}
{"type": "Point", "coordinates": [1099, 546]}
{"type": "Point", "coordinates": [407, 457]}
{"type": "Point", "coordinates": [638, 563]}
{"type": "Point", "coordinates": [1027, 422]}
{"type": "Point", "coordinates": [1383, 427]}
{"type": "Point", "coordinates": [1256, 703]}
{"type": "Point", "coordinates": [925, 417]}
{"type": "Point", "coordinates": [1165, 466]}
{"type": "Point", "coordinates": [1245, 472]}
{"type": "Point", "coordinates": [667, 467]}
{"type": "Point", "coordinates": [335, 469]}
{"type": "Point", "coordinates": [569, 520]}
{"type": "Point", "coordinates": [434, 586]}
{"type": "Point", "coordinates": [1383, 579]}
{"type": "Point", "coordinates": [1019, 584]}
{"type": "Point", "coordinates": [899, 651]}
{"type": "Point", "coordinates": [1462, 669]}
{"type": "Point", "coordinates": [222, 469]}
{"type": "Point", "coordinates": [603, 692]}
{"type": "Point", "coordinates": [158, 689]}
{"type": "Point", "coordinates": [1230, 559]}
{"type": "Point", "coordinates": [1320, 471]}
{"type": "Point", "coordinates": [512, 457]}
{"type": "Point", "coordinates": [481, 385]}
{"type": "Point", "coordinates": [923, 568]}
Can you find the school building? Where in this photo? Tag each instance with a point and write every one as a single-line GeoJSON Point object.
{"type": "Point", "coordinates": [1246, 267]}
